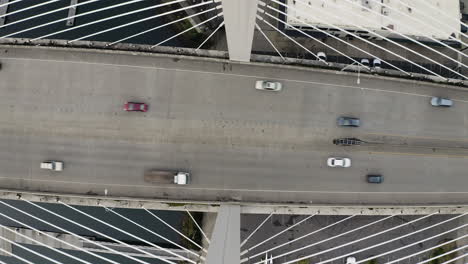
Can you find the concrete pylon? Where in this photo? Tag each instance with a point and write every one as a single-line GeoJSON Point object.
{"type": "Point", "coordinates": [225, 241]}
{"type": "Point", "coordinates": [239, 22]}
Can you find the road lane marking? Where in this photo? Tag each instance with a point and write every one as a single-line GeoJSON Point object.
{"type": "Point", "coordinates": [219, 189]}
{"type": "Point", "coordinates": [415, 137]}
{"type": "Point", "coordinates": [230, 74]}
{"type": "Point", "coordinates": [413, 154]}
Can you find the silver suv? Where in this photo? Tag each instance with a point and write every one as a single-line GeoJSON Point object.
{"type": "Point", "coordinates": [348, 121]}
{"type": "Point", "coordinates": [439, 101]}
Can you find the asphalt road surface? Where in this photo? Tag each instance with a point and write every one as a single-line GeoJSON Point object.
{"type": "Point", "coordinates": [239, 143]}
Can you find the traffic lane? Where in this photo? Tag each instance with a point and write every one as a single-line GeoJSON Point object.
{"type": "Point", "coordinates": [203, 132]}
{"type": "Point", "coordinates": [68, 89]}
{"type": "Point", "coordinates": [299, 75]}
{"type": "Point", "coordinates": [223, 96]}
{"type": "Point", "coordinates": [299, 112]}
{"type": "Point", "coordinates": [119, 169]}
{"type": "Point", "coordinates": [414, 116]}
{"type": "Point", "coordinates": [235, 99]}
{"type": "Point", "coordinates": [58, 89]}
{"type": "Point", "coordinates": [230, 168]}
{"type": "Point", "coordinates": [68, 108]}
{"type": "Point", "coordinates": [348, 80]}
{"type": "Point", "coordinates": [399, 114]}
{"type": "Point", "coordinates": [319, 107]}
{"type": "Point", "coordinates": [409, 172]}
{"type": "Point", "coordinates": [319, 104]}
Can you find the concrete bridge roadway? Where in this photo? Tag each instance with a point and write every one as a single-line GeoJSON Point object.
{"type": "Point", "coordinates": [239, 143]}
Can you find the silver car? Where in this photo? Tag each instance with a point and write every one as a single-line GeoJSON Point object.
{"type": "Point", "coordinates": [439, 101]}
{"type": "Point", "coordinates": [268, 86]}
{"type": "Point", "coordinates": [348, 121]}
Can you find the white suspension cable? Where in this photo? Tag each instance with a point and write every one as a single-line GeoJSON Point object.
{"type": "Point", "coordinates": [154, 233]}
{"type": "Point", "coordinates": [383, 37]}
{"type": "Point", "coordinates": [329, 238]}
{"type": "Point", "coordinates": [140, 20]}
{"type": "Point", "coordinates": [280, 233]}
{"type": "Point", "coordinates": [133, 236]}
{"type": "Point", "coordinates": [174, 229]}
{"type": "Point", "coordinates": [30, 250]}
{"type": "Point", "coordinates": [454, 259]}
{"type": "Point", "coordinates": [308, 35]}
{"type": "Point", "coordinates": [107, 18]}
{"type": "Point", "coordinates": [391, 240]}
{"type": "Point", "coordinates": [360, 38]}
{"type": "Point", "coordinates": [422, 23]}
{"type": "Point", "coordinates": [211, 35]}
{"type": "Point", "coordinates": [44, 245]}
{"type": "Point", "coordinates": [188, 29]}
{"type": "Point", "coordinates": [61, 229]}
{"type": "Point", "coordinates": [412, 244]}
{"type": "Point", "coordinates": [10, 3]}
{"type": "Point", "coordinates": [161, 26]}
{"type": "Point", "coordinates": [198, 226]}
{"type": "Point", "coordinates": [424, 34]}
{"type": "Point", "coordinates": [15, 256]}
{"type": "Point", "coordinates": [46, 13]}
{"type": "Point", "coordinates": [406, 37]}
{"type": "Point", "coordinates": [364, 238]}
{"type": "Point", "coordinates": [443, 13]}
{"type": "Point", "coordinates": [29, 7]}
{"type": "Point", "coordinates": [282, 33]}
{"type": "Point", "coordinates": [337, 38]}
{"type": "Point", "coordinates": [96, 232]}
{"type": "Point", "coordinates": [271, 44]}
{"type": "Point", "coordinates": [257, 228]}
{"type": "Point", "coordinates": [439, 21]}
{"type": "Point", "coordinates": [299, 238]}
{"type": "Point", "coordinates": [434, 247]}
{"type": "Point", "coordinates": [45, 234]}
{"type": "Point", "coordinates": [441, 255]}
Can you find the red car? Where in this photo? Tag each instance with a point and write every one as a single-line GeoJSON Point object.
{"type": "Point", "coordinates": [135, 107]}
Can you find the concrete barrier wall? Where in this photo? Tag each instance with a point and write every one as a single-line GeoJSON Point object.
{"type": "Point", "coordinates": [246, 207]}
{"type": "Point", "coordinates": [216, 54]}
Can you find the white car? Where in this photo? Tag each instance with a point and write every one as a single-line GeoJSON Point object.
{"type": "Point", "coordinates": [365, 62]}
{"type": "Point", "coordinates": [322, 56]}
{"type": "Point", "coordinates": [377, 63]}
{"type": "Point", "coordinates": [350, 260]}
{"type": "Point", "coordinates": [52, 165]}
{"type": "Point", "coordinates": [268, 86]}
{"type": "Point", "coordinates": [339, 162]}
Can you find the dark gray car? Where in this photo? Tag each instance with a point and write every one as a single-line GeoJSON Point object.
{"type": "Point", "coordinates": [374, 178]}
{"type": "Point", "coordinates": [348, 121]}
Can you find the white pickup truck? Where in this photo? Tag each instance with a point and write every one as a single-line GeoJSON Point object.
{"type": "Point", "coordinates": [52, 165]}
{"type": "Point", "coordinates": [167, 177]}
